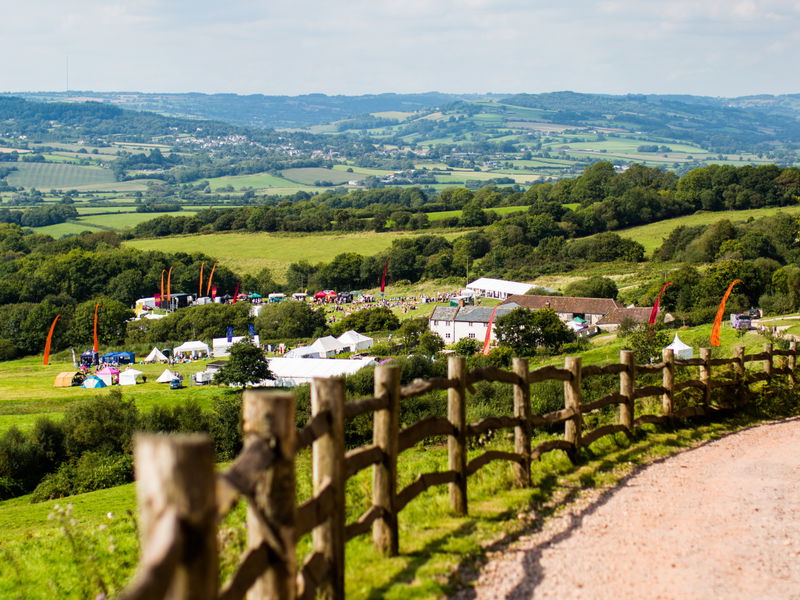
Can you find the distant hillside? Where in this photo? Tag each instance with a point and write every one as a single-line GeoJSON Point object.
{"type": "Point", "coordinates": [257, 110]}
{"type": "Point", "coordinates": [718, 124]}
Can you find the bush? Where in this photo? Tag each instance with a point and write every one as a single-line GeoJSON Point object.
{"type": "Point", "coordinates": [92, 471]}
{"type": "Point", "coordinates": [226, 426]}
{"type": "Point", "coordinates": [19, 460]}
{"type": "Point", "coordinates": [103, 424]}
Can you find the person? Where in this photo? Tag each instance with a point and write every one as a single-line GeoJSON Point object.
{"type": "Point", "coordinates": [144, 378]}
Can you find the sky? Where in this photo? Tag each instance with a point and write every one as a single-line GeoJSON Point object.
{"type": "Point", "coordinates": [290, 47]}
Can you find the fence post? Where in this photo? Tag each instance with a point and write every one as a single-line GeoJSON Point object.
{"type": "Point", "coordinates": [668, 381]}
{"type": "Point", "coordinates": [768, 366]}
{"type": "Point", "coordinates": [327, 466]}
{"type": "Point", "coordinates": [457, 442]}
{"type": "Point", "coordinates": [386, 426]}
{"type": "Point", "coordinates": [791, 362]}
{"type": "Point", "coordinates": [627, 384]}
{"type": "Point", "coordinates": [269, 416]}
{"type": "Point", "coordinates": [175, 479]}
{"type": "Point", "coordinates": [522, 432]}
{"type": "Point", "coordinates": [572, 399]}
{"type": "Point", "coordinates": [705, 374]}
{"type": "Point", "coordinates": [739, 366]}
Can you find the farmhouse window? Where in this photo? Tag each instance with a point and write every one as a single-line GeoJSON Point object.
{"type": "Point", "coordinates": [472, 336]}
{"type": "Point", "coordinates": [447, 336]}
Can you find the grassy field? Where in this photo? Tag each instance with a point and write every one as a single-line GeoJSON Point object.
{"type": "Point", "coordinates": [652, 236]}
{"type": "Point", "coordinates": [500, 210]}
{"type": "Point", "coordinates": [257, 181]}
{"type": "Point", "coordinates": [250, 252]}
{"type": "Point", "coordinates": [128, 219]}
{"type": "Point", "coordinates": [307, 176]}
{"type": "Point", "coordinates": [48, 553]}
{"type": "Point", "coordinates": [45, 176]}
{"type": "Point", "coordinates": [60, 230]}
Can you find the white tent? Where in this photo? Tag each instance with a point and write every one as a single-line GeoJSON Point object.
{"type": "Point", "coordinates": [498, 288]}
{"type": "Point", "coordinates": [222, 347]}
{"type": "Point", "coordinates": [166, 376]}
{"type": "Point", "coordinates": [128, 376]}
{"type": "Point", "coordinates": [155, 356]}
{"type": "Point", "coordinates": [680, 349]}
{"type": "Point", "coordinates": [303, 352]}
{"type": "Point", "coordinates": [328, 346]}
{"type": "Point", "coordinates": [355, 341]}
{"type": "Point", "coordinates": [289, 372]}
{"type": "Point", "coordinates": [194, 347]}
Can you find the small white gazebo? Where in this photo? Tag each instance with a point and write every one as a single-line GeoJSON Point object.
{"type": "Point", "coordinates": [681, 350]}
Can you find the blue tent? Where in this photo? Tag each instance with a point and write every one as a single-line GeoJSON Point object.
{"type": "Point", "coordinates": [93, 382]}
{"type": "Point", "coordinates": [121, 358]}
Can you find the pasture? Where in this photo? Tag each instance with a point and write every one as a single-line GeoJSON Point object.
{"type": "Point", "coordinates": [651, 236]}
{"type": "Point", "coordinates": [46, 176]}
{"type": "Point", "coordinates": [500, 210]}
{"type": "Point", "coordinates": [251, 252]}
{"type": "Point", "coordinates": [60, 230]}
{"type": "Point", "coordinates": [310, 175]}
{"type": "Point", "coordinates": [125, 220]}
{"type": "Point", "coordinates": [257, 181]}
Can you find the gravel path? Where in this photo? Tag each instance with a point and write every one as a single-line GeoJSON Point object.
{"type": "Point", "coordinates": [721, 521]}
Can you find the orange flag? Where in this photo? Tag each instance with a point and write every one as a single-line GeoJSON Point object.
{"type": "Point", "coordinates": [488, 341]}
{"type": "Point", "coordinates": [161, 299]}
{"type": "Point", "coordinates": [721, 313]}
{"type": "Point", "coordinates": [210, 277]}
{"type": "Point", "coordinates": [96, 345]}
{"type": "Point", "coordinates": [169, 284]}
{"type": "Point", "coordinates": [49, 339]}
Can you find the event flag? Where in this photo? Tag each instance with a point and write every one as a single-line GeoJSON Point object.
{"type": "Point", "coordinates": [235, 294]}
{"type": "Point", "coordinates": [157, 300]}
{"type": "Point", "coordinates": [200, 287]}
{"type": "Point", "coordinates": [654, 312]}
{"type": "Point", "coordinates": [169, 284]}
{"type": "Point", "coordinates": [230, 334]}
{"type": "Point", "coordinates": [383, 277]}
{"type": "Point", "coordinates": [211, 277]}
{"type": "Point", "coordinates": [49, 340]}
{"type": "Point", "coordinates": [721, 313]}
{"type": "Point", "coordinates": [161, 295]}
{"type": "Point", "coordinates": [96, 342]}
{"type": "Point", "coordinates": [252, 329]}
{"type": "Point", "coordinates": [488, 341]}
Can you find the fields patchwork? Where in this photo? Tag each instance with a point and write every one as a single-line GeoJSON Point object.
{"type": "Point", "coordinates": [45, 176]}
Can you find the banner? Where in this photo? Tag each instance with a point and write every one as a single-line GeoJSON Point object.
{"type": "Point", "coordinates": [383, 277]}
{"type": "Point", "coordinates": [654, 312]}
{"type": "Point", "coordinates": [721, 313]}
{"type": "Point", "coordinates": [235, 294]}
{"type": "Point", "coordinates": [230, 334]}
{"type": "Point", "coordinates": [157, 300]}
{"type": "Point", "coordinates": [169, 284]}
{"type": "Point", "coordinates": [210, 278]}
{"type": "Point", "coordinates": [161, 295]}
{"type": "Point", "coordinates": [252, 329]}
{"type": "Point", "coordinates": [214, 292]}
{"type": "Point", "coordinates": [488, 341]}
{"type": "Point", "coordinates": [96, 341]}
{"type": "Point", "coordinates": [49, 340]}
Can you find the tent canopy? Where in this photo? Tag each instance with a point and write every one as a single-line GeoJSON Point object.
{"type": "Point", "coordinates": [681, 350]}
{"type": "Point", "coordinates": [64, 379]}
{"type": "Point", "coordinates": [166, 376]}
{"type": "Point", "coordinates": [194, 346]}
{"type": "Point", "coordinates": [93, 382]}
{"type": "Point", "coordinates": [108, 371]}
{"type": "Point", "coordinates": [155, 356]}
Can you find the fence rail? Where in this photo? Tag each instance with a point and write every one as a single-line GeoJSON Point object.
{"type": "Point", "coordinates": [181, 500]}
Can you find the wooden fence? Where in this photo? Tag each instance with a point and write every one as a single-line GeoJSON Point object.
{"type": "Point", "coordinates": [181, 499]}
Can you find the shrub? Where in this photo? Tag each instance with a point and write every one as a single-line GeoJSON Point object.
{"type": "Point", "coordinates": [226, 426]}
{"type": "Point", "coordinates": [92, 471]}
{"type": "Point", "coordinates": [19, 460]}
{"type": "Point", "coordinates": [104, 424]}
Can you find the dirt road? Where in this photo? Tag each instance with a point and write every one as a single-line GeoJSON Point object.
{"type": "Point", "coordinates": [721, 521]}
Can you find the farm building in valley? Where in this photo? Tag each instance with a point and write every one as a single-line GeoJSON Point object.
{"type": "Point", "coordinates": [639, 314]}
{"type": "Point", "coordinates": [454, 323]}
{"type": "Point", "coordinates": [566, 307]}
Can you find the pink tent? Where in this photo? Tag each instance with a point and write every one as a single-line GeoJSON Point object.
{"type": "Point", "coordinates": [108, 371]}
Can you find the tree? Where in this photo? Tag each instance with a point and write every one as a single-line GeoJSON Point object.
{"type": "Point", "coordinates": [111, 318]}
{"type": "Point", "coordinates": [289, 319]}
{"type": "Point", "coordinates": [411, 331]}
{"type": "Point", "coordinates": [467, 346]}
{"type": "Point", "coordinates": [645, 341]}
{"type": "Point", "coordinates": [430, 343]}
{"type": "Point", "coordinates": [524, 330]}
{"type": "Point", "coordinates": [593, 287]}
{"type": "Point", "coordinates": [246, 366]}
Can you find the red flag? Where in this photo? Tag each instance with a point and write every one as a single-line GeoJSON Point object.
{"type": "Point", "coordinates": [49, 339]}
{"type": "Point", "coordinates": [721, 313]}
{"type": "Point", "coordinates": [383, 278]}
{"type": "Point", "coordinates": [235, 294]}
{"type": "Point", "coordinates": [96, 345]}
{"type": "Point", "coordinates": [488, 341]}
{"type": "Point", "coordinates": [213, 290]}
{"type": "Point", "coordinates": [654, 312]}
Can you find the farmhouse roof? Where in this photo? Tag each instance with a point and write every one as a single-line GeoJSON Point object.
{"type": "Point", "coordinates": [564, 304]}
{"type": "Point", "coordinates": [444, 313]}
{"type": "Point", "coordinates": [639, 314]}
{"type": "Point", "coordinates": [480, 314]}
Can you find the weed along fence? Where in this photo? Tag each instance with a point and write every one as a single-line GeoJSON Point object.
{"type": "Point", "coordinates": [181, 499]}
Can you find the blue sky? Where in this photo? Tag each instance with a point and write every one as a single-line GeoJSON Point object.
{"type": "Point", "coordinates": [704, 47]}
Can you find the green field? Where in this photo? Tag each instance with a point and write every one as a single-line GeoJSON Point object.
{"type": "Point", "coordinates": [128, 219]}
{"type": "Point", "coordinates": [257, 181]}
{"type": "Point", "coordinates": [63, 229]}
{"type": "Point", "coordinates": [307, 176]}
{"type": "Point", "coordinates": [46, 176]}
{"type": "Point", "coordinates": [250, 252]}
{"type": "Point", "coordinates": [500, 210]}
{"type": "Point", "coordinates": [652, 236]}
{"type": "Point", "coordinates": [627, 146]}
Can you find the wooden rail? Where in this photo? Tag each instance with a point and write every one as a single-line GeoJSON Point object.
{"type": "Point", "coordinates": [181, 500]}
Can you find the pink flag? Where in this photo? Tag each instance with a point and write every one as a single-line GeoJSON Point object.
{"type": "Point", "coordinates": [654, 312]}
